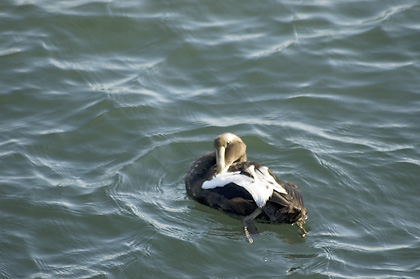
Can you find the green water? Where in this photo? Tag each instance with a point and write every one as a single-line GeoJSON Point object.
{"type": "Point", "coordinates": [105, 104]}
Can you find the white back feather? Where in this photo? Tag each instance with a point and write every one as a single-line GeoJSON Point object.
{"type": "Point", "coordinates": [260, 185]}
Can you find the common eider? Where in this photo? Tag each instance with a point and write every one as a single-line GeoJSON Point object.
{"type": "Point", "coordinates": [225, 180]}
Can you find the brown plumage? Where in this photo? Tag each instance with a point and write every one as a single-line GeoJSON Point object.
{"type": "Point", "coordinates": [284, 205]}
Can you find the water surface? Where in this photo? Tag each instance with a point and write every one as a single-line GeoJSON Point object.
{"type": "Point", "coordinates": [104, 105]}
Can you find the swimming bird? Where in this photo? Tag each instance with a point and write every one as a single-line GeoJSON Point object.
{"type": "Point", "coordinates": [225, 180]}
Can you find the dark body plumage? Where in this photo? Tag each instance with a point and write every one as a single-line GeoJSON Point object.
{"type": "Point", "coordinates": [286, 207]}
{"type": "Point", "coordinates": [280, 208]}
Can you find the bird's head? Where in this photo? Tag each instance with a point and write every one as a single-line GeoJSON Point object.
{"type": "Point", "coordinates": [229, 149]}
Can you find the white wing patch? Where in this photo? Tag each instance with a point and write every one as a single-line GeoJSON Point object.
{"type": "Point", "coordinates": [266, 177]}
{"type": "Point", "coordinates": [260, 185]}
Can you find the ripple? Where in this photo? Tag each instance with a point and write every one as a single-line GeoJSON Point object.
{"type": "Point", "coordinates": [105, 105]}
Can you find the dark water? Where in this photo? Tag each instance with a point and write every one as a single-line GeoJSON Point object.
{"type": "Point", "coordinates": [104, 104]}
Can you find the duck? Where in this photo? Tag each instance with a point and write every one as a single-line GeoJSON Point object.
{"type": "Point", "coordinates": [223, 179]}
